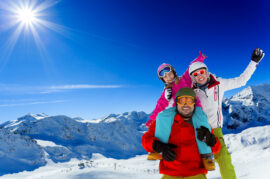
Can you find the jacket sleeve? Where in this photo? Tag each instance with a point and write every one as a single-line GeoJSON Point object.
{"type": "Point", "coordinates": [198, 102]}
{"type": "Point", "coordinates": [216, 148]}
{"type": "Point", "coordinates": [149, 137]}
{"type": "Point", "coordinates": [232, 83]}
{"type": "Point", "coordinates": [162, 103]}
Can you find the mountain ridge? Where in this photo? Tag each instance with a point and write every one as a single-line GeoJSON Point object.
{"type": "Point", "coordinates": [60, 138]}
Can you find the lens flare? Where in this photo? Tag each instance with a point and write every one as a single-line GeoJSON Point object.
{"type": "Point", "coordinates": [31, 17]}
{"type": "Point", "coordinates": [26, 16]}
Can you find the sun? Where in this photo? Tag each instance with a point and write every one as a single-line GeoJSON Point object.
{"type": "Point", "coordinates": [29, 16]}
{"type": "Point", "coordinates": [26, 16]}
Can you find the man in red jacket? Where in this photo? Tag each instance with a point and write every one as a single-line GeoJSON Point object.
{"type": "Point", "coordinates": [180, 156]}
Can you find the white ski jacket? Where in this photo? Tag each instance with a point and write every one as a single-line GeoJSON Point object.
{"type": "Point", "coordinates": [211, 99]}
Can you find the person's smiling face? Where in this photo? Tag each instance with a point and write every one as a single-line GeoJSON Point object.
{"type": "Point", "coordinates": [200, 76]}
{"type": "Point", "coordinates": [185, 110]}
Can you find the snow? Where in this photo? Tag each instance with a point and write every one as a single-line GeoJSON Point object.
{"type": "Point", "coordinates": [96, 168]}
{"type": "Point", "coordinates": [19, 153]}
{"type": "Point", "coordinates": [64, 138]}
{"type": "Point", "coordinates": [250, 151]}
{"type": "Point", "coordinates": [42, 146]}
{"type": "Point", "coordinates": [248, 108]}
{"type": "Point", "coordinates": [45, 143]}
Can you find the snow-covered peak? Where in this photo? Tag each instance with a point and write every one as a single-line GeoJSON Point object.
{"type": "Point", "coordinates": [31, 116]}
{"type": "Point", "coordinates": [250, 107]}
{"type": "Point", "coordinates": [135, 115]}
{"type": "Point", "coordinates": [109, 116]}
{"type": "Point", "coordinates": [250, 92]}
{"type": "Point", "coordinates": [263, 91]}
{"type": "Point", "coordinates": [142, 117]}
{"type": "Point", "coordinates": [28, 118]}
{"type": "Point", "coordinates": [245, 96]}
{"type": "Point", "coordinates": [116, 135]}
{"type": "Point", "coordinates": [40, 116]}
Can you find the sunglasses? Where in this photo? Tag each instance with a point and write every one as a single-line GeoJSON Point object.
{"type": "Point", "coordinates": [182, 100]}
{"type": "Point", "coordinates": [165, 70]}
{"type": "Point", "coordinates": [200, 72]}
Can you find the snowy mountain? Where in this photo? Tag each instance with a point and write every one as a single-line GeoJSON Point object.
{"type": "Point", "coordinates": [12, 125]}
{"type": "Point", "coordinates": [61, 139]}
{"type": "Point", "coordinates": [248, 108]}
{"type": "Point", "coordinates": [250, 151]}
{"type": "Point", "coordinates": [117, 136]}
{"type": "Point", "coordinates": [19, 153]}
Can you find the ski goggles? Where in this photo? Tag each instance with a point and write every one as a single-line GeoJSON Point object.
{"type": "Point", "coordinates": [198, 73]}
{"type": "Point", "coordinates": [182, 100]}
{"type": "Point", "coordinates": [165, 70]}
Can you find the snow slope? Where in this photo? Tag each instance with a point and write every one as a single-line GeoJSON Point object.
{"type": "Point", "coordinates": [250, 151]}
{"type": "Point", "coordinates": [19, 153]}
{"type": "Point", "coordinates": [63, 138]}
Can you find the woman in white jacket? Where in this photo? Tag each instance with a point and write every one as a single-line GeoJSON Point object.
{"type": "Point", "coordinates": [210, 89]}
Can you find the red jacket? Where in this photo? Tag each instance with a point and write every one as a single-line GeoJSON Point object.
{"type": "Point", "coordinates": [188, 161]}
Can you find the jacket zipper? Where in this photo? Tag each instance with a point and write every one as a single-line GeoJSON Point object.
{"type": "Point", "coordinates": [218, 112]}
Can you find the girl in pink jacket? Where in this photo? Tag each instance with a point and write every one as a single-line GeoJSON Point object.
{"type": "Point", "coordinates": [173, 83]}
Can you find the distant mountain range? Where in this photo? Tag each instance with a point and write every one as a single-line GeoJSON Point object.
{"type": "Point", "coordinates": [28, 142]}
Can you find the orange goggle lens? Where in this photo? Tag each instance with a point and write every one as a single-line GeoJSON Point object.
{"type": "Point", "coordinates": [182, 100]}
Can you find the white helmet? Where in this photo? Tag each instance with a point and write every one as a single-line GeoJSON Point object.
{"type": "Point", "coordinates": [196, 66]}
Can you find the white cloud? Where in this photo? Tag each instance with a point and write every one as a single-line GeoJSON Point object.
{"type": "Point", "coordinates": [84, 86]}
{"type": "Point", "coordinates": [31, 103]}
{"type": "Point", "coordinates": [51, 89]}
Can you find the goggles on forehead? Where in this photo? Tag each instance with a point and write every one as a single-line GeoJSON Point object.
{"type": "Point", "coordinates": [197, 73]}
{"type": "Point", "coordinates": [164, 71]}
{"type": "Point", "coordinates": [182, 100]}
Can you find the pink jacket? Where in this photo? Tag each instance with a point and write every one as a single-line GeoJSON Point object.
{"type": "Point", "coordinates": [184, 81]}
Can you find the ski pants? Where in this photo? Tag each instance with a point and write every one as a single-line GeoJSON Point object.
{"type": "Point", "coordinates": [223, 158]}
{"type": "Point", "coordinates": [201, 176]}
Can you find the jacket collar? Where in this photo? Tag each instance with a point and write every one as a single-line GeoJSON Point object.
{"type": "Point", "coordinates": [212, 82]}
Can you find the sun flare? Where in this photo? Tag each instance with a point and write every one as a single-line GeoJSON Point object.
{"type": "Point", "coordinates": [26, 16]}
{"type": "Point", "coordinates": [30, 17]}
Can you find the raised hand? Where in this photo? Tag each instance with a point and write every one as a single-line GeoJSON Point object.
{"type": "Point", "coordinates": [257, 55]}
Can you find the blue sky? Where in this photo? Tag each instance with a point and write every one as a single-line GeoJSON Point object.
{"type": "Point", "coordinates": [97, 57]}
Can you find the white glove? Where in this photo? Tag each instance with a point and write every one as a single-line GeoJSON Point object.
{"type": "Point", "coordinates": [168, 93]}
